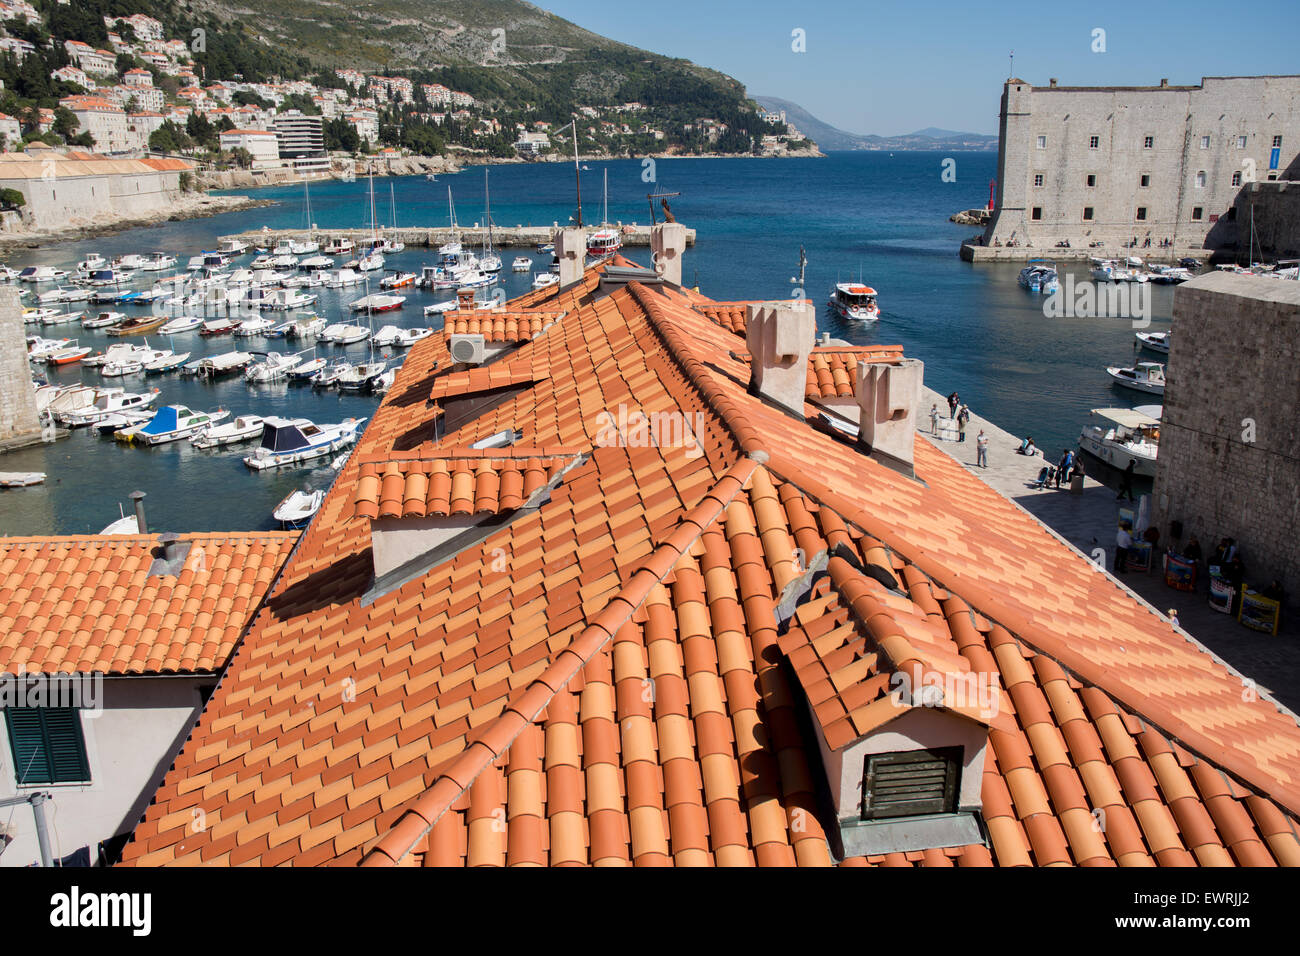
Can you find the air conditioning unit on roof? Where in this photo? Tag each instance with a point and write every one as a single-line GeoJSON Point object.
{"type": "Point", "coordinates": [467, 349]}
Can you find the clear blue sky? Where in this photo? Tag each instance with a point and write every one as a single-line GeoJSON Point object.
{"type": "Point", "coordinates": [895, 67]}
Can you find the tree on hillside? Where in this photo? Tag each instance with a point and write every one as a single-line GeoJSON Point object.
{"type": "Point", "coordinates": [65, 122]}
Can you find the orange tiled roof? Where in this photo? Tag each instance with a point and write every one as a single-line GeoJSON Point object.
{"type": "Point", "coordinates": [459, 481]}
{"type": "Point", "coordinates": [833, 372]}
{"type": "Point", "coordinates": [87, 604]}
{"type": "Point", "coordinates": [600, 680]}
{"type": "Point", "coordinates": [732, 316]}
{"type": "Point", "coordinates": [504, 326]}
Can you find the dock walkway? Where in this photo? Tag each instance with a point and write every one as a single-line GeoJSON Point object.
{"type": "Point", "coordinates": [432, 236]}
{"type": "Point", "coordinates": [1089, 521]}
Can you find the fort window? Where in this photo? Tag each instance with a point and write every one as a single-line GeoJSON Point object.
{"type": "Point", "coordinates": [1042, 142]}
{"type": "Point", "coordinates": [1200, 179]}
{"type": "Point", "coordinates": [1142, 213]}
{"type": "Point", "coordinates": [1036, 213]}
{"type": "Point", "coordinates": [1277, 142]}
{"type": "Point", "coordinates": [1144, 180]}
{"type": "Point", "coordinates": [1094, 142]}
{"type": "Point", "coordinates": [1087, 213]}
{"type": "Point", "coordinates": [1149, 142]}
{"type": "Point", "coordinates": [1038, 179]}
{"type": "Point", "coordinates": [1241, 142]}
{"type": "Point", "coordinates": [1205, 142]}
{"type": "Point", "coordinates": [1091, 180]}
{"type": "Point", "coordinates": [1236, 178]}
{"type": "Point", "coordinates": [1197, 212]}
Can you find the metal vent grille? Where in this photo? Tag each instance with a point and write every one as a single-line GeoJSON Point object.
{"type": "Point", "coordinates": [911, 783]}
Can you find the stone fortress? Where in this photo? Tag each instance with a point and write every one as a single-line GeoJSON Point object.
{"type": "Point", "coordinates": [1113, 164]}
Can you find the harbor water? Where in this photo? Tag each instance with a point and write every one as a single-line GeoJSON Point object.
{"type": "Point", "coordinates": [874, 216]}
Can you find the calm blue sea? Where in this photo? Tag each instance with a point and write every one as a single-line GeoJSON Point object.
{"type": "Point", "coordinates": [877, 216]}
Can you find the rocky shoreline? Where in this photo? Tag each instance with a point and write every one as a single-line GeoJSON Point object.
{"type": "Point", "coordinates": [188, 206]}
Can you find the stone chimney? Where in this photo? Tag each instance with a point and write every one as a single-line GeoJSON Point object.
{"type": "Point", "coordinates": [571, 248]}
{"type": "Point", "coordinates": [1052, 83]}
{"type": "Point", "coordinates": [465, 300]}
{"type": "Point", "coordinates": [18, 418]}
{"type": "Point", "coordinates": [889, 396]}
{"type": "Point", "coordinates": [780, 338]}
{"type": "Point", "coordinates": [1164, 82]}
{"type": "Point", "coordinates": [667, 243]}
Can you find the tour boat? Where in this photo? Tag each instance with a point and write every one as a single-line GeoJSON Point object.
{"type": "Point", "coordinates": [1124, 435]}
{"type": "Point", "coordinates": [1146, 377]}
{"type": "Point", "coordinates": [275, 366]}
{"type": "Point", "coordinates": [137, 325]}
{"type": "Point", "coordinates": [219, 326]}
{"type": "Point", "coordinates": [543, 280]}
{"type": "Point", "coordinates": [243, 428]}
{"type": "Point", "coordinates": [287, 441]}
{"type": "Point", "coordinates": [603, 243]}
{"type": "Point", "coordinates": [186, 323]}
{"type": "Point", "coordinates": [1155, 341]}
{"type": "Point", "coordinates": [853, 300]}
{"type": "Point", "coordinates": [170, 423]}
{"type": "Point", "coordinates": [378, 303]}
{"type": "Point", "coordinates": [1039, 276]}
{"type": "Point", "coordinates": [398, 280]}
{"type": "Point", "coordinates": [305, 371]}
{"type": "Point", "coordinates": [68, 356]}
{"type": "Point", "coordinates": [298, 507]}
{"type": "Point", "coordinates": [521, 264]}
{"type": "Point", "coordinates": [110, 401]}
{"type": "Point", "coordinates": [361, 377]}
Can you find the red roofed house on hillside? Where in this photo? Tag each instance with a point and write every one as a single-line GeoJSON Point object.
{"type": "Point", "coordinates": [650, 582]}
{"type": "Point", "coordinates": [123, 638]}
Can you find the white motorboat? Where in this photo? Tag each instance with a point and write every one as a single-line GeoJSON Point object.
{"type": "Point", "coordinates": [372, 262]}
{"type": "Point", "coordinates": [166, 363]}
{"type": "Point", "coordinates": [102, 320]}
{"type": "Point", "coordinates": [285, 261]}
{"type": "Point", "coordinates": [1155, 341]}
{"type": "Point", "coordinates": [52, 296]}
{"type": "Point", "coordinates": [275, 366]}
{"type": "Point", "coordinates": [109, 401]}
{"type": "Point", "coordinates": [343, 279]}
{"type": "Point", "coordinates": [1039, 276]}
{"type": "Point", "coordinates": [378, 302]}
{"type": "Point", "coordinates": [1146, 377]}
{"type": "Point", "coordinates": [37, 316]}
{"type": "Point", "coordinates": [298, 507]}
{"type": "Point", "coordinates": [117, 421]}
{"type": "Point", "coordinates": [170, 423]}
{"type": "Point", "coordinates": [408, 337]}
{"type": "Point", "coordinates": [250, 327]}
{"type": "Point", "coordinates": [91, 263]}
{"type": "Point", "coordinates": [42, 274]}
{"type": "Point", "coordinates": [398, 280]}
{"type": "Point", "coordinates": [158, 262]}
{"type": "Point", "coordinates": [243, 428]}
{"type": "Point", "coordinates": [305, 327]}
{"type": "Point", "coordinates": [127, 524]}
{"type": "Point", "coordinates": [227, 363]}
{"type": "Point", "coordinates": [39, 349]}
{"type": "Point", "coordinates": [121, 352]}
{"type": "Point", "coordinates": [384, 382]}
{"type": "Point", "coordinates": [521, 264]}
{"type": "Point", "coordinates": [284, 300]}
{"type": "Point", "coordinates": [350, 334]}
{"type": "Point", "coordinates": [361, 377]}
{"type": "Point", "coordinates": [1123, 435]}
{"type": "Point", "coordinates": [438, 308]}
{"type": "Point", "coordinates": [855, 301]}
{"type": "Point", "coordinates": [542, 280]}
{"type": "Point", "coordinates": [474, 279]}
{"type": "Point", "coordinates": [308, 369]}
{"type": "Point", "coordinates": [387, 335]}
{"type": "Point", "coordinates": [316, 263]}
{"type": "Point", "coordinates": [232, 247]}
{"type": "Point", "coordinates": [121, 368]}
{"type": "Point", "coordinates": [287, 441]}
{"type": "Point", "coordinates": [328, 376]}
{"type": "Point", "coordinates": [604, 243]}
{"type": "Point", "coordinates": [186, 323]}
{"type": "Point", "coordinates": [62, 318]}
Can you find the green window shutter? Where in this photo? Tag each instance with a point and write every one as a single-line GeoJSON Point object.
{"type": "Point", "coordinates": [47, 745]}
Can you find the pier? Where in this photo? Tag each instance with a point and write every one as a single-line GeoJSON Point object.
{"type": "Point", "coordinates": [974, 252]}
{"type": "Point", "coordinates": [433, 236]}
{"type": "Point", "coordinates": [1089, 521]}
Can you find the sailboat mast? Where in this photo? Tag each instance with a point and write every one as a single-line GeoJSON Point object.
{"type": "Point", "coordinates": [487, 200]}
{"type": "Point", "coordinates": [576, 175]}
{"type": "Point", "coordinates": [604, 215]}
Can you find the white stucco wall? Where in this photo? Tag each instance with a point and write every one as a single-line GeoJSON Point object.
{"type": "Point", "coordinates": [129, 746]}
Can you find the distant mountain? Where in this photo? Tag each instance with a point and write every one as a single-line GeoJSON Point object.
{"type": "Point", "coordinates": [831, 137]}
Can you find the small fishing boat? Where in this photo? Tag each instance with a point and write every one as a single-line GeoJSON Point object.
{"type": "Point", "coordinates": [438, 308]}
{"type": "Point", "coordinates": [275, 366]}
{"type": "Point", "coordinates": [1155, 341]}
{"type": "Point", "coordinates": [109, 402]}
{"type": "Point", "coordinates": [166, 363]}
{"type": "Point", "coordinates": [158, 262]}
{"type": "Point", "coordinates": [382, 384]}
{"type": "Point", "coordinates": [91, 263]}
{"type": "Point", "coordinates": [854, 301]}
{"type": "Point", "coordinates": [474, 279]}
{"type": "Point", "coordinates": [185, 323]}
{"type": "Point", "coordinates": [298, 507]}
{"type": "Point", "coordinates": [37, 316]}
{"type": "Point", "coordinates": [39, 349]}
{"type": "Point", "coordinates": [68, 356]}
{"type": "Point", "coordinates": [343, 279]}
{"type": "Point", "coordinates": [232, 247]}
{"type": "Point", "coordinates": [521, 264]}
{"type": "Point", "coordinates": [243, 428]}
{"type": "Point", "coordinates": [170, 423]}
{"type": "Point", "coordinates": [328, 376]}
{"type": "Point", "coordinates": [308, 369]}
{"type": "Point", "coordinates": [120, 420]}
{"type": "Point", "coordinates": [307, 326]}
{"type": "Point", "coordinates": [372, 262]}
{"type": "Point", "coordinates": [1146, 377]}
{"type": "Point", "coordinates": [227, 363]}
{"type": "Point", "coordinates": [350, 334]}
{"type": "Point", "coordinates": [62, 318]}
{"type": "Point", "coordinates": [398, 280]}
{"type": "Point", "coordinates": [408, 337]}
{"type": "Point", "coordinates": [250, 327]}
{"type": "Point", "coordinates": [102, 320]}
{"type": "Point", "coordinates": [543, 280]}
{"type": "Point", "coordinates": [287, 441]}
{"type": "Point", "coordinates": [122, 367]}
{"type": "Point", "coordinates": [1124, 435]}
{"type": "Point", "coordinates": [378, 303]}
{"type": "Point", "coordinates": [361, 377]}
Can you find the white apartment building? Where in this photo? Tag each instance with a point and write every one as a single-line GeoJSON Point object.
{"type": "Point", "coordinates": [261, 144]}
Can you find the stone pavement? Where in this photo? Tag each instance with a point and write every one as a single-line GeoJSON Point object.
{"type": "Point", "coordinates": [1089, 521]}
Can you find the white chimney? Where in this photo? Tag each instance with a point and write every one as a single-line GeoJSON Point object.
{"type": "Point", "coordinates": [667, 243]}
{"type": "Point", "coordinates": [889, 395]}
{"type": "Point", "coordinates": [571, 249]}
{"type": "Point", "coordinates": [780, 338]}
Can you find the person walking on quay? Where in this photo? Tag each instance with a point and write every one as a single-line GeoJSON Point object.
{"type": "Point", "coordinates": [1126, 482]}
{"type": "Point", "coordinates": [934, 419]}
{"type": "Point", "coordinates": [953, 402]}
{"type": "Point", "coordinates": [982, 449]}
{"type": "Point", "coordinates": [1123, 541]}
{"type": "Point", "coordinates": [963, 417]}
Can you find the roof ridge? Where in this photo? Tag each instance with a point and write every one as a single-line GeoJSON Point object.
{"type": "Point", "coordinates": [423, 813]}
{"type": "Point", "coordinates": [1024, 630]}
{"type": "Point", "coordinates": [152, 536]}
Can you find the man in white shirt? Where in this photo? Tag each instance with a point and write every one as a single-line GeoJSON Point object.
{"type": "Point", "coordinates": [982, 449]}
{"type": "Point", "coordinates": [1123, 541]}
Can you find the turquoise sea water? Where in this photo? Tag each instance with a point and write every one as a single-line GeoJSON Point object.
{"type": "Point", "coordinates": [878, 216]}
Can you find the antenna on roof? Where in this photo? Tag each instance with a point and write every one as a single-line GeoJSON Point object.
{"type": "Point", "coordinates": [1012, 68]}
{"type": "Point", "coordinates": [576, 175]}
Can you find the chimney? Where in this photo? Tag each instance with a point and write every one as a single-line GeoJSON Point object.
{"type": "Point", "coordinates": [667, 243]}
{"type": "Point", "coordinates": [779, 336]}
{"type": "Point", "coordinates": [1164, 82]}
{"type": "Point", "coordinates": [465, 300]}
{"type": "Point", "coordinates": [571, 249]}
{"type": "Point", "coordinates": [1052, 83]}
{"type": "Point", "coordinates": [138, 498]}
{"type": "Point", "coordinates": [889, 396]}
{"type": "Point", "coordinates": [169, 545]}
